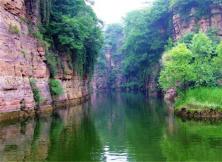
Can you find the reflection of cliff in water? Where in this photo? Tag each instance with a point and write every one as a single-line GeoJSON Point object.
{"type": "Point", "coordinates": [68, 135]}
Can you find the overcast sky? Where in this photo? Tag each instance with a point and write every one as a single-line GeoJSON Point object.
{"type": "Point", "coordinates": [112, 11]}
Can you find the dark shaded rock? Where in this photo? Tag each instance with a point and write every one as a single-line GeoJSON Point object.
{"type": "Point", "coordinates": [203, 115]}
{"type": "Point", "coordinates": [170, 95]}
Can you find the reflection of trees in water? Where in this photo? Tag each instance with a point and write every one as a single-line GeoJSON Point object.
{"type": "Point", "coordinates": [40, 141]}
{"type": "Point", "coordinates": [193, 141]}
{"type": "Point", "coordinates": [76, 141]}
{"type": "Point", "coordinates": [130, 125]}
{"type": "Point", "coordinates": [145, 125]}
{"type": "Point", "coordinates": [109, 119]}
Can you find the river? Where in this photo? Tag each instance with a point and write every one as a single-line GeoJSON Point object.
{"type": "Point", "coordinates": [116, 127]}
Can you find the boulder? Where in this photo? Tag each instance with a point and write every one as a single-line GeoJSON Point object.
{"type": "Point", "coordinates": [170, 95]}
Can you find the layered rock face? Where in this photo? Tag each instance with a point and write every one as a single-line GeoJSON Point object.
{"type": "Point", "coordinates": [73, 85]}
{"type": "Point", "coordinates": [22, 58]}
{"type": "Point", "coordinates": [213, 20]}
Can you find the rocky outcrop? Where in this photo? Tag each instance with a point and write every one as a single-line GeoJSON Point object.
{"type": "Point", "coordinates": [22, 58]}
{"type": "Point", "coordinates": [170, 95]}
{"type": "Point", "coordinates": [152, 83]}
{"type": "Point", "coordinates": [213, 20]}
{"type": "Point", "coordinates": [202, 115]}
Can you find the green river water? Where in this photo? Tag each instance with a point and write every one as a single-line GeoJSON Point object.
{"type": "Point", "coordinates": [116, 127]}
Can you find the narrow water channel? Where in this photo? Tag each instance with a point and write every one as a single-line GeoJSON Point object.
{"type": "Point", "coordinates": [111, 127]}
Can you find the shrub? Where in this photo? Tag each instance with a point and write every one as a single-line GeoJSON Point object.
{"type": "Point", "coordinates": [39, 36]}
{"type": "Point", "coordinates": [203, 50]}
{"type": "Point", "coordinates": [14, 29]}
{"type": "Point", "coordinates": [197, 63]}
{"type": "Point", "coordinates": [52, 63]}
{"type": "Point", "coordinates": [56, 88]}
{"type": "Point", "coordinates": [36, 91]}
{"type": "Point", "coordinates": [177, 70]}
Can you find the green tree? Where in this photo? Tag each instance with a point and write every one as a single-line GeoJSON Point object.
{"type": "Point", "coordinates": [146, 33]}
{"type": "Point", "coordinates": [177, 69]}
{"type": "Point", "coordinates": [217, 62]}
{"type": "Point", "coordinates": [203, 50]}
{"type": "Point", "coordinates": [197, 64]}
{"type": "Point", "coordinates": [74, 29]}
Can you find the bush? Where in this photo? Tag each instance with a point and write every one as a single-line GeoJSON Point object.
{"type": "Point", "coordinates": [39, 36]}
{"type": "Point", "coordinates": [52, 63]}
{"type": "Point", "coordinates": [56, 88]}
{"type": "Point", "coordinates": [13, 29]}
{"type": "Point", "coordinates": [177, 70]}
{"type": "Point", "coordinates": [35, 91]}
{"type": "Point", "coordinates": [196, 64]}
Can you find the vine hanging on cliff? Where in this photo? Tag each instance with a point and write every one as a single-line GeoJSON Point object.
{"type": "Point", "coordinates": [45, 10]}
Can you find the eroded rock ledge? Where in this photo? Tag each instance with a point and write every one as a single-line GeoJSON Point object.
{"type": "Point", "coordinates": [210, 114]}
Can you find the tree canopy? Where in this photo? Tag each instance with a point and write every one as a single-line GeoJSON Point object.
{"type": "Point", "coordinates": [191, 66]}
{"type": "Point", "coordinates": [73, 28]}
{"type": "Point", "coordinates": [145, 34]}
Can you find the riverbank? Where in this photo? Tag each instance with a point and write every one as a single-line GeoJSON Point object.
{"type": "Point", "coordinates": [200, 103]}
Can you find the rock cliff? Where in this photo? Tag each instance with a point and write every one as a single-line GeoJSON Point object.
{"type": "Point", "coordinates": [22, 58]}
{"type": "Point", "coordinates": [110, 76]}
{"type": "Point", "coordinates": [204, 23]}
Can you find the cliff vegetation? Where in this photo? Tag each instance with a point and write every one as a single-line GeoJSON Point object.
{"type": "Point", "coordinates": [70, 28]}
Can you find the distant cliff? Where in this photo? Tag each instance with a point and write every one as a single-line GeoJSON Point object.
{"type": "Point", "coordinates": [108, 73]}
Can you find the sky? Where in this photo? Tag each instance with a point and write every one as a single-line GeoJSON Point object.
{"type": "Point", "coordinates": [112, 11]}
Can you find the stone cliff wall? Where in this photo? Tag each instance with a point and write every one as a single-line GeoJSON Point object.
{"type": "Point", "coordinates": [22, 58]}
{"type": "Point", "coordinates": [152, 83]}
{"type": "Point", "coordinates": [213, 20]}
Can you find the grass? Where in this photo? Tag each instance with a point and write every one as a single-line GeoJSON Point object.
{"type": "Point", "coordinates": [39, 36]}
{"type": "Point", "coordinates": [36, 92]}
{"type": "Point", "coordinates": [52, 62]}
{"type": "Point", "coordinates": [14, 29]}
{"type": "Point", "coordinates": [201, 98]}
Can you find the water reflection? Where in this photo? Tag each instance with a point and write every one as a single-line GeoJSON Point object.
{"type": "Point", "coordinates": [193, 141]}
{"type": "Point", "coordinates": [130, 125]}
{"type": "Point", "coordinates": [68, 136]}
{"type": "Point", "coordinates": [112, 127]}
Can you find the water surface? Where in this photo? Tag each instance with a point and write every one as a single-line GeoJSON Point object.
{"type": "Point", "coordinates": [116, 127]}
